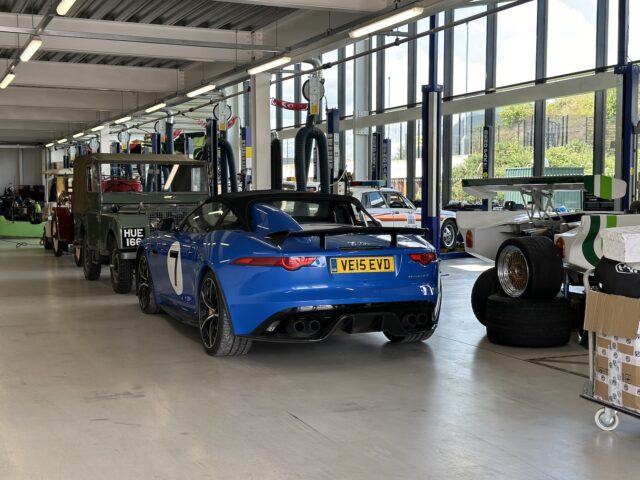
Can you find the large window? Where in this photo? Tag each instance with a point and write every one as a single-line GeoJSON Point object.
{"type": "Point", "coordinates": [397, 132]}
{"type": "Point", "coordinates": [569, 135]}
{"type": "Point", "coordinates": [516, 49]}
{"type": "Point", "coordinates": [422, 66]}
{"type": "Point", "coordinates": [514, 140]}
{"type": "Point", "coordinates": [288, 94]}
{"type": "Point", "coordinates": [349, 85]}
{"type": "Point", "coordinates": [395, 72]}
{"type": "Point", "coordinates": [331, 80]}
{"type": "Point", "coordinates": [467, 150]}
{"type": "Point", "coordinates": [571, 45]}
{"type": "Point", "coordinates": [634, 30]}
{"type": "Point", "coordinates": [469, 52]}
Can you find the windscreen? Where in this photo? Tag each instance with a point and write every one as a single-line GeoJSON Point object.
{"type": "Point", "coordinates": [143, 177]}
{"type": "Point", "coordinates": [324, 211]}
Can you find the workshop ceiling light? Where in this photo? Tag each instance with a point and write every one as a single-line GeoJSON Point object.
{"type": "Point", "coordinates": [31, 48]}
{"type": "Point", "coordinates": [155, 107]}
{"type": "Point", "coordinates": [122, 120]}
{"type": "Point", "coordinates": [278, 62]}
{"type": "Point", "coordinates": [62, 140]}
{"type": "Point", "coordinates": [49, 145]}
{"type": "Point", "coordinates": [201, 90]}
{"type": "Point", "coordinates": [78, 135]}
{"type": "Point", "coordinates": [98, 128]}
{"type": "Point", "coordinates": [64, 6]}
{"type": "Point", "coordinates": [399, 17]}
{"type": "Point", "coordinates": [6, 81]}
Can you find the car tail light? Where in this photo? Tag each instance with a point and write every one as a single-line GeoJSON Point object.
{"type": "Point", "coordinates": [288, 263]}
{"type": "Point", "coordinates": [468, 239]}
{"type": "Point", "coordinates": [423, 258]}
{"type": "Point", "coordinates": [560, 246]}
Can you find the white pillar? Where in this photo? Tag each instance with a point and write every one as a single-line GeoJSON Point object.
{"type": "Point", "coordinates": [20, 168]}
{"type": "Point", "coordinates": [362, 106]}
{"type": "Point", "coordinates": [105, 144]}
{"type": "Point", "coordinates": [261, 131]}
{"type": "Point", "coordinates": [234, 134]}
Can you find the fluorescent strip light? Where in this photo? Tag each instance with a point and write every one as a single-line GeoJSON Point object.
{"type": "Point", "coordinates": [122, 120]}
{"type": "Point", "coordinates": [31, 48]}
{"type": "Point", "coordinates": [64, 140]}
{"type": "Point", "coordinates": [399, 17]}
{"type": "Point", "coordinates": [48, 145]}
{"type": "Point", "coordinates": [155, 107]}
{"type": "Point", "coordinates": [278, 62]}
{"type": "Point", "coordinates": [200, 91]}
{"type": "Point", "coordinates": [78, 135]}
{"type": "Point", "coordinates": [6, 81]}
{"type": "Point", "coordinates": [64, 6]}
{"type": "Point", "coordinates": [98, 128]}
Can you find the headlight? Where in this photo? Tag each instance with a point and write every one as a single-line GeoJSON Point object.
{"type": "Point", "coordinates": [154, 223]}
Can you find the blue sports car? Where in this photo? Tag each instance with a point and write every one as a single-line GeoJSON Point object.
{"type": "Point", "coordinates": [288, 266]}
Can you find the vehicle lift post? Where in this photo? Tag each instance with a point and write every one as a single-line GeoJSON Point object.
{"type": "Point", "coordinates": [431, 153]}
{"type": "Point", "coordinates": [211, 152]}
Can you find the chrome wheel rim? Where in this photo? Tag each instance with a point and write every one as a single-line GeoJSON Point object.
{"type": "Point", "coordinates": [448, 236]}
{"type": "Point", "coordinates": [513, 271]}
{"type": "Point", "coordinates": [77, 253]}
{"type": "Point", "coordinates": [208, 313]}
{"type": "Point", "coordinates": [144, 280]}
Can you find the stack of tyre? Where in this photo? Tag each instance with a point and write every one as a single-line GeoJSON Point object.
{"type": "Point", "coordinates": [519, 300]}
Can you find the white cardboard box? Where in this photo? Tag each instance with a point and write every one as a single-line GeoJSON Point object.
{"type": "Point", "coordinates": [621, 244]}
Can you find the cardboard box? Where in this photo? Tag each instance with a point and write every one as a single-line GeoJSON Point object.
{"type": "Point", "coordinates": [621, 243]}
{"type": "Point", "coordinates": [616, 321]}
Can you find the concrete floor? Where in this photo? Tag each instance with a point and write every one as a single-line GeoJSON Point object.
{"type": "Point", "coordinates": [91, 388]}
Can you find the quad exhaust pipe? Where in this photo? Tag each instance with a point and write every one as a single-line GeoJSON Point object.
{"type": "Point", "coordinates": [411, 320]}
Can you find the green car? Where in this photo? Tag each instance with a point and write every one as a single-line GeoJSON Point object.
{"type": "Point", "coordinates": [119, 199]}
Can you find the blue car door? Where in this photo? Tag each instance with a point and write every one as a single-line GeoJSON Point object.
{"type": "Point", "coordinates": [187, 253]}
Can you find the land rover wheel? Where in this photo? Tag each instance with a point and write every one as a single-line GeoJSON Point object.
{"type": "Point", "coordinates": [90, 263]}
{"type": "Point", "coordinates": [529, 267]}
{"type": "Point", "coordinates": [77, 255]}
{"type": "Point", "coordinates": [121, 272]}
{"type": "Point", "coordinates": [216, 333]}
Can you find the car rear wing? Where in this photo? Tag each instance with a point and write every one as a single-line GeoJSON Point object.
{"type": "Point", "coordinates": [279, 238]}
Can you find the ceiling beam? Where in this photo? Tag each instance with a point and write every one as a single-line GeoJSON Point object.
{"type": "Point", "coordinates": [335, 5]}
{"type": "Point", "coordinates": [96, 77]}
{"type": "Point", "coordinates": [93, 100]}
{"type": "Point", "coordinates": [51, 114]}
{"type": "Point", "coordinates": [133, 39]}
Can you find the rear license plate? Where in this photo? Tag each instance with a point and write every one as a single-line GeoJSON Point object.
{"type": "Point", "coordinates": [131, 237]}
{"type": "Point", "coordinates": [362, 265]}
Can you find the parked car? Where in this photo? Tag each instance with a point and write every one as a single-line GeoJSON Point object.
{"type": "Point", "coordinates": [119, 199]}
{"type": "Point", "coordinates": [390, 207]}
{"type": "Point", "coordinates": [288, 266]}
{"type": "Point", "coordinates": [58, 228]}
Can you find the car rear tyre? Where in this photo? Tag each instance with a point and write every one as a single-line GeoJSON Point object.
{"type": "Point", "coordinates": [486, 284]}
{"type": "Point", "coordinates": [521, 322]}
{"type": "Point", "coordinates": [144, 287]}
{"type": "Point", "coordinates": [90, 265]}
{"type": "Point", "coordinates": [448, 234]}
{"type": "Point", "coordinates": [529, 267]}
{"type": "Point", "coordinates": [47, 243]}
{"type": "Point", "coordinates": [215, 326]}
{"type": "Point", "coordinates": [121, 273]}
{"type": "Point", "coordinates": [77, 255]}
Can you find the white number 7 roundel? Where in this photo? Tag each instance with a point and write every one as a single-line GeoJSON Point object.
{"type": "Point", "coordinates": [174, 267]}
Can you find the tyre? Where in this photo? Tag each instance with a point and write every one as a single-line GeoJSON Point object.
{"type": "Point", "coordinates": [607, 419]}
{"type": "Point", "coordinates": [448, 234]}
{"type": "Point", "coordinates": [521, 322]}
{"type": "Point", "coordinates": [48, 245]}
{"type": "Point", "coordinates": [486, 284]}
{"type": "Point", "coordinates": [90, 264]}
{"type": "Point", "coordinates": [144, 287]}
{"type": "Point", "coordinates": [77, 255]}
{"type": "Point", "coordinates": [121, 272]}
{"type": "Point", "coordinates": [617, 278]}
{"type": "Point", "coordinates": [59, 246]}
{"type": "Point", "coordinates": [413, 338]}
{"type": "Point", "coordinates": [215, 326]}
{"type": "Point", "coordinates": [529, 267]}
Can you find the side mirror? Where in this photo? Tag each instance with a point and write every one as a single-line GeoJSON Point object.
{"type": "Point", "coordinates": [167, 225]}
